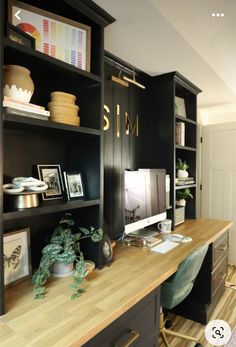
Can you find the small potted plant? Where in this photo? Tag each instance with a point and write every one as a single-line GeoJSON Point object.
{"type": "Point", "coordinates": [63, 253]}
{"type": "Point", "coordinates": [182, 167]}
{"type": "Point", "coordinates": [182, 195]}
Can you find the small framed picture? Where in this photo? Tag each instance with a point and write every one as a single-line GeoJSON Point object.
{"type": "Point", "coordinates": [74, 185]}
{"type": "Point", "coordinates": [51, 174]}
{"type": "Point", "coordinates": [19, 36]}
{"type": "Point", "coordinates": [180, 107]}
{"type": "Point", "coordinates": [17, 261]}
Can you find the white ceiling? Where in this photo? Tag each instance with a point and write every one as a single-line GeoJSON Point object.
{"type": "Point", "coordinates": [159, 36]}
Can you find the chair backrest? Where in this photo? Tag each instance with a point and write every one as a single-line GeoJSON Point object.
{"type": "Point", "coordinates": [176, 288]}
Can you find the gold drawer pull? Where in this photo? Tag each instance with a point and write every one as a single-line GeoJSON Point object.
{"type": "Point", "coordinates": [223, 247]}
{"type": "Point", "coordinates": [134, 336]}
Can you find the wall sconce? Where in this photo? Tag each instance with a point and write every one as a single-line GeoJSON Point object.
{"type": "Point", "coordinates": [133, 81]}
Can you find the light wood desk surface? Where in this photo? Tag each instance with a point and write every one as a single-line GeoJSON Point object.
{"type": "Point", "coordinates": [56, 321]}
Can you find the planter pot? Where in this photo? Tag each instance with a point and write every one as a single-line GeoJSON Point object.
{"type": "Point", "coordinates": [59, 269]}
{"type": "Point", "coordinates": [181, 202]}
{"type": "Point", "coordinates": [182, 174]}
{"type": "Point", "coordinates": [17, 83]}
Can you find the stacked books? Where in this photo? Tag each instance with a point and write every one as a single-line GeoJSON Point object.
{"type": "Point", "coordinates": [25, 109]}
{"type": "Point", "coordinates": [184, 181]}
{"type": "Point", "coordinates": [180, 133]}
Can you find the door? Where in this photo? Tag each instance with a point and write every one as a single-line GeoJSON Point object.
{"type": "Point", "coordinates": [219, 177]}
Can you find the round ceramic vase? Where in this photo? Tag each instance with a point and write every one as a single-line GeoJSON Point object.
{"type": "Point", "coordinates": [17, 83]}
{"type": "Point", "coordinates": [182, 174]}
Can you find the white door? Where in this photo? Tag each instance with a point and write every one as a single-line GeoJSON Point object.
{"type": "Point", "coordinates": [219, 177]}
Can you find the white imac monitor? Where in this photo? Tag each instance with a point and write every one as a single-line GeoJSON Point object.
{"type": "Point", "coordinates": [144, 198]}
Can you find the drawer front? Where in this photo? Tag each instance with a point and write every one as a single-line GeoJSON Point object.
{"type": "Point", "coordinates": [139, 324]}
{"type": "Point", "coordinates": [220, 248]}
{"type": "Point", "coordinates": [219, 275]}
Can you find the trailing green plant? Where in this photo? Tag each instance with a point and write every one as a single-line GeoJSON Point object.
{"type": "Point", "coordinates": [184, 194]}
{"type": "Point", "coordinates": [181, 165]}
{"type": "Point", "coordinates": [64, 246]}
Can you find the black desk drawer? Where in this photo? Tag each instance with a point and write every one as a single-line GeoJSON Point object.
{"type": "Point", "coordinates": [141, 322]}
{"type": "Point", "coordinates": [220, 248]}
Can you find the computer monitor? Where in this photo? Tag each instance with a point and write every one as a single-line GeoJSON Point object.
{"type": "Point", "coordinates": [145, 198]}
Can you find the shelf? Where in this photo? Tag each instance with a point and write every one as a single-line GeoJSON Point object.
{"type": "Point", "coordinates": [20, 54]}
{"type": "Point", "coordinates": [184, 119]}
{"type": "Point", "coordinates": [21, 122]}
{"type": "Point", "coordinates": [186, 186]}
{"type": "Point", "coordinates": [50, 207]}
{"type": "Point", "coordinates": [186, 148]}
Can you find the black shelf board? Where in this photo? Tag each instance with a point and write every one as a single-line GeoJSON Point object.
{"type": "Point", "coordinates": [47, 207]}
{"type": "Point", "coordinates": [186, 186]}
{"type": "Point", "coordinates": [22, 122]}
{"type": "Point", "coordinates": [186, 148]}
{"type": "Point", "coordinates": [185, 119]}
{"type": "Point", "coordinates": [18, 53]}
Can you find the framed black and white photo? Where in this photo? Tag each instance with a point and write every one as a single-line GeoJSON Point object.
{"type": "Point", "coordinates": [17, 262]}
{"type": "Point", "coordinates": [180, 107]}
{"type": "Point", "coordinates": [51, 175]}
{"type": "Point", "coordinates": [74, 185]}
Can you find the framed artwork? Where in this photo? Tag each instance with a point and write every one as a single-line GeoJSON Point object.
{"type": "Point", "coordinates": [17, 262]}
{"type": "Point", "coordinates": [74, 185]}
{"type": "Point", "coordinates": [51, 174]}
{"type": "Point", "coordinates": [18, 35]}
{"type": "Point", "coordinates": [54, 35]}
{"type": "Point", "coordinates": [180, 107]}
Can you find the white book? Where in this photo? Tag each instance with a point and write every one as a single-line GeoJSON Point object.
{"type": "Point", "coordinates": [27, 109]}
{"type": "Point", "coordinates": [180, 133]}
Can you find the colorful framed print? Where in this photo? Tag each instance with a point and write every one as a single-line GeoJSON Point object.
{"type": "Point", "coordinates": [54, 35]}
{"type": "Point", "coordinates": [17, 261]}
{"type": "Point", "coordinates": [51, 175]}
{"type": "Point", "coordinates": [74, 185]}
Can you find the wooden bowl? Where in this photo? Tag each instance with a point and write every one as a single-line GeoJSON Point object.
{"type": "Point", "coordinates": [64, 113]}
{"type": "Point", "coordinates": [63, 97]}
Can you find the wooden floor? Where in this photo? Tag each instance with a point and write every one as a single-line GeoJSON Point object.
{"type": "Point", "coordinates": [226, 310]}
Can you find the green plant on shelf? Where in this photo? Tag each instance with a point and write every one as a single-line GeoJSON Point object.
{"type": "Point", "coordinates": [184, 194]}
{"type": "Point", "coordinates": [181, 165]}
{"type": "Point", "coordinates": [64, 248]}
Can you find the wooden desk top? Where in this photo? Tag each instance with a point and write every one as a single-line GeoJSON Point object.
{"type": "Point", "coordinates": [58, 322]}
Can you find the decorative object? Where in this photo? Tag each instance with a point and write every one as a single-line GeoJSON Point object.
{"type": "Point", "coordinates": [180, 133]}
{"type": "Point", "coordinates": [51, 175]}
{"type": "Point", "coordinates": [55, 35]}
{"type": "Point", "coordinates": [17, 83]}
{"type": "Point", "coordinates": [64, 247]}
{"type": "Point", "coordinates": [74, 185]}
{"type": "Point", "coordinates": [17, 263]}
{"type": "Point", "coordinates": [182, 167]}
{"type": "Point", "coordinates": [182, 195]}
{"type": "Point", "coordinates": [64, 113]}
{"type": "Point", "coordinates": [180, 107]}
{"type": "Point", "coordinates": [23, 192]}
{"type": "Point", "coordinates": [107, 250]}
{"type": "Point", "coordinates": [63, 97]}
{"type": "Point", "coordinates": [19, 36]}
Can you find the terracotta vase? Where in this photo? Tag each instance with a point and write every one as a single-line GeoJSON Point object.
{"type": "Point", "coordinates": [17, 83]}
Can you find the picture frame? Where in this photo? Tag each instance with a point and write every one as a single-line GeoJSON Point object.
{"type": "Point", "coordinates": [74, 185]}
{"type": "Point", "coordinates": [52, 176]}
{"type": "Point", "coordinates": [180, 107]}
{"type": "Point", "coordinates": [19, 36]}
{"type": "Point", "coordinates": [56, 36]}
{"type": "Point", "coordinates": [17, 257]}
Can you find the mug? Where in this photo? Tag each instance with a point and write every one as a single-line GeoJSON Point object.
{"type": "Point", "coordinates": [165, 226]}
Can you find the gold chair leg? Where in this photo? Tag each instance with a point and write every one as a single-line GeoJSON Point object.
{"type": "Point", "coordinates": [173, 333]}
{"type": "Point", "coordinates": [164, 339]}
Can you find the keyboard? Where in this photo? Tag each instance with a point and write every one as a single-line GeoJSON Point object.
{"type": "Point", "coordinates": [164, 247]}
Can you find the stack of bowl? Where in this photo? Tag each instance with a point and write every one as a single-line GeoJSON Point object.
{"type": "Point", "coordinates": [63, 109]}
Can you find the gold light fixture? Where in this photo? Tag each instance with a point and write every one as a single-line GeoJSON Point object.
{"type": "Point", "coordinates": [133, 81]}
{"type": "Point", "coordinates": [119, 80]}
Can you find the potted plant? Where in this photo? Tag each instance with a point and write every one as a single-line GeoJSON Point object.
{"type": "Point", "coordinates": [63, 250]}
{"type": "Point", "coordinates": [182, 195]}
{"type": "Point", "coordinates": [182, 167]}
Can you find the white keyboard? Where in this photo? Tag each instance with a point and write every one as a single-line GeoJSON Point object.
{"type": "Point", "coordinates": [165, 246]}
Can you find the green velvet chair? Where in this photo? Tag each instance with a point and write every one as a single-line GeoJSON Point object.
{"type": "Point", "coordinates": [177, 287]}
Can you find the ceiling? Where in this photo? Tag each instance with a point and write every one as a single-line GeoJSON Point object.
{"type": "Point", "coordinates": [158, 36]}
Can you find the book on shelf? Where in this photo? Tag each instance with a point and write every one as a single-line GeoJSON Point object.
{"type": "Point", "coordinates": [27, 109]}
{"type": "Point", "coordinates": [10, 110]}
{"type": "Point", "coordinates": [11, 103]}
{"type": "Point", "coordinates": [180, 133]}
{"type": "Point", "coordinates": [184, 181]}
